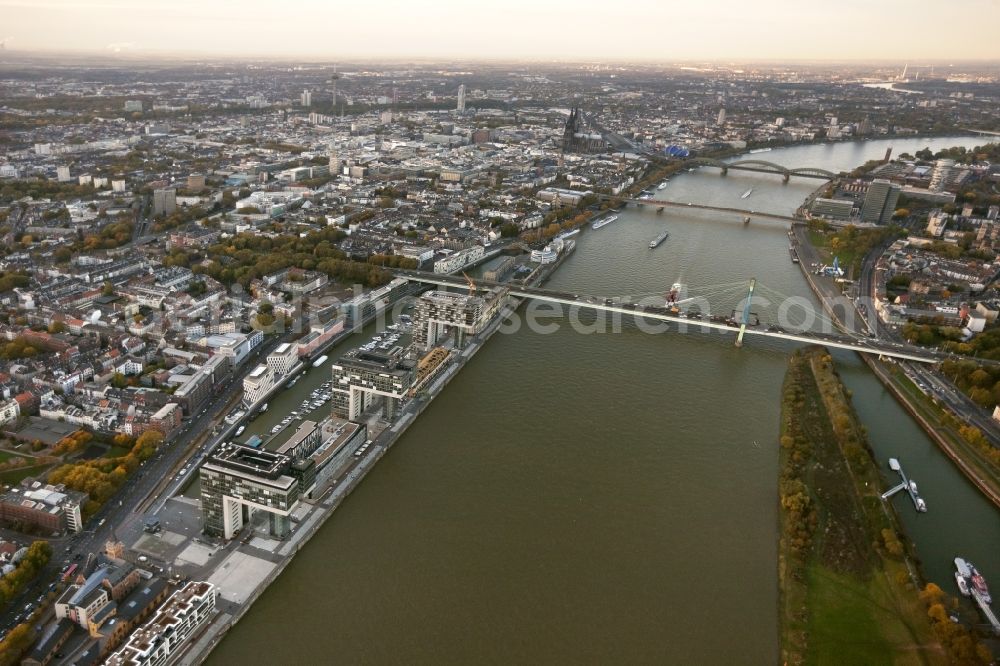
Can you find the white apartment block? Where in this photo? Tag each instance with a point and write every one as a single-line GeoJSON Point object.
{"type": "Point", "coordinates": [459, 260]}
{"type": "Point", "coordinates": [257, 384]}
{"type": "Point", "coordinates": [180, 616]}
{"type": "Point", "coordinates": [283, 359]}
{"type": "Point", "coordinates": [9, 411]}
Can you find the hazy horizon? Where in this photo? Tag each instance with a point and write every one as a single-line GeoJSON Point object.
{"type": "Point", "coordinates": [581, 30]}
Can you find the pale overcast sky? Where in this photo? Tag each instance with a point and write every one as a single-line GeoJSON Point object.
{"type": "Point", "coordinates": [658, 30]}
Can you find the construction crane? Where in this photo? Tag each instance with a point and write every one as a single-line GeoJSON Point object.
{"type": "Point", "coordinates": [472, 285]}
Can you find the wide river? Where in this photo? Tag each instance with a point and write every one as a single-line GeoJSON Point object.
{"type": "Point", "coordinates": [602, 498]}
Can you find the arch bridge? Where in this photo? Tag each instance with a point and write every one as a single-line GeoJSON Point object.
{"type": "Point", "coordinates": [763, 166]}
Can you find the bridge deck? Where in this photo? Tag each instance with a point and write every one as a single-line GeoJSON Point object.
{"type": "Point", "coordinates": [590, 302]}
{"type": "Point", "coordinates": [790, 173]}
{"type": "Point", "coordinates": [987, 611]}
{"type": "Point", "coordinates": [694, 206]}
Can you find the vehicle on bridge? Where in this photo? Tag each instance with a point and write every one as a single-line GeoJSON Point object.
{"type": "Point", "coordinates": [745, 324]}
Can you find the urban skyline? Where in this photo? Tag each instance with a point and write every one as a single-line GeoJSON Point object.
{"type": "Point", "coordinates": [560, 29]}
{"type": "Point", "coordinates": [529, 333]}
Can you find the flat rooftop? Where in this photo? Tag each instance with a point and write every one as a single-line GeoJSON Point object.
{"type": "Point", "coordinates": [45, 430]}
{"type": "Point", "coordinates": [305, 430]}
{"type": "Point", "coordinates": [450, 297]}
{"type": "Point", "coordinates": [375, 361]}
{"type": "Point", "coordinates": [254, 462]}
{"type": "Point", "coordinates": [342, 432]}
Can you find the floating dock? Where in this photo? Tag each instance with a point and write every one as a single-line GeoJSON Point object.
{"type": "Point", "coordinates": [987, 612]}
{"type": "Point", "coordinates": [908, 485]}
{"type": "Point", "coordinates": [970, 590]}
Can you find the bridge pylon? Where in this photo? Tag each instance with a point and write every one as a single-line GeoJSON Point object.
{"type": "Point", "coordinates": [746, 313]}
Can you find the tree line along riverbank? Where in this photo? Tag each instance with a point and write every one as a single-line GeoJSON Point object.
{"type": "Point", "coordinates": [850, 588]}
{"type": "Point", "coordinates": [963, 443]}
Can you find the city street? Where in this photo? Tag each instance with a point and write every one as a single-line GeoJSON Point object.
{"type": "Point", "coordinates": [121, 514]}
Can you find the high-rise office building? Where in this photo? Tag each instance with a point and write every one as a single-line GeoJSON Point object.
{"type": "Point", "coordinates": [880, 202]}
{"type": "Point", "coordinates": [238, 483]}
{"type": "Point", "coordinates": [865, 126]}
{"type": "Point", "coordinates": [722, 117]}
{"type": "Point", "coordinates": [362, 377]}
{"type": "Point", "coordinates": [460, 107]}
{"type": "Point", "coordinates": [466, 315]}
{"type": "Point", "coordinates": [164, 201]}
{"type": "Point", "coordinates": [333, 89]}
{"type": "Point", "coordinates": [942, 174]}
{"type": "Point", "coordinates": [306, 98]}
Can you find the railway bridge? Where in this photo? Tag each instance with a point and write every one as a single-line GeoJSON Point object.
{"type": "Point", "coordinates": [763, 166]}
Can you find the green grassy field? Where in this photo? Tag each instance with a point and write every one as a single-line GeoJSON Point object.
{"type": "Point", "coordinates": [850, 245]}
{"type": "Point", "coordinates": [14, 476]}
{"type": "Point", "coordinates": [845, 598]}
{"type": "Point", "coordinates": [855, 621]}
{"type": "Point", "coordinates": [842, 606]}
{"type": "Point", "coordinates": [817, 238]}
{"type": "Point", "coordinates": [849, 259]}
